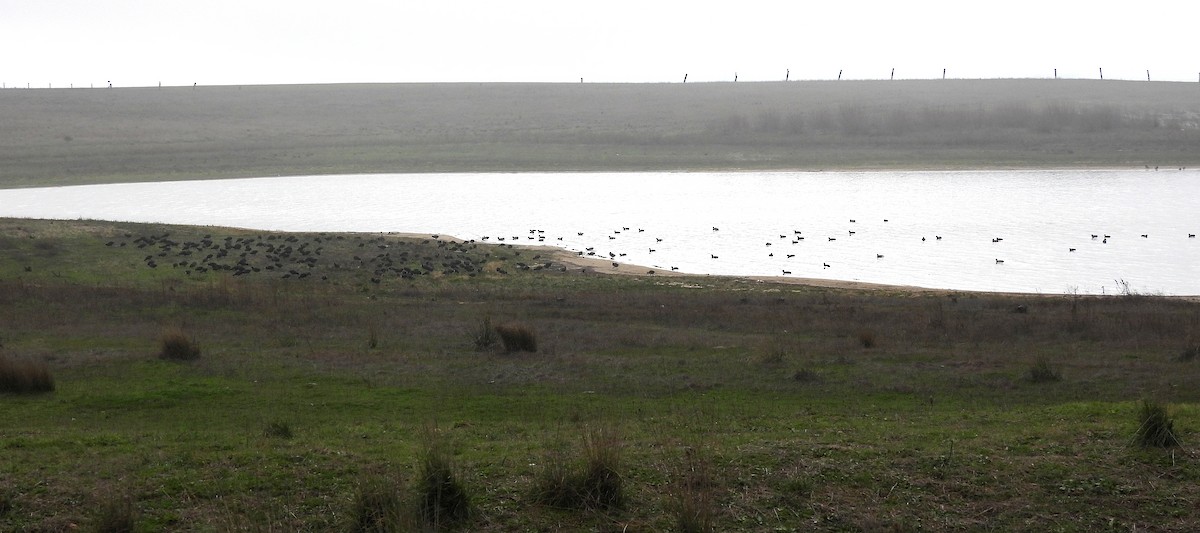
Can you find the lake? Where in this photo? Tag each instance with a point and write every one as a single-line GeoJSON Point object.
{"type": "Point", "coordinates": [1041, 231]}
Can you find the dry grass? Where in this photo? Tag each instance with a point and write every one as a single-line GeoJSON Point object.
{"type": "Point", "coordinates": [24, 376]}
{"type": "Point", "coordinates": [517, 338]}
{"type": "Point", "coordinates": [692, 495]}
{"type": "Point", "coordinates": [175, 345]}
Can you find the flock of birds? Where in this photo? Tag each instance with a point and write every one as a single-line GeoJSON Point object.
{"type": "Point", "coordinates": [299, 256]}
{"type": "Point", "coordinates": [794, 236]}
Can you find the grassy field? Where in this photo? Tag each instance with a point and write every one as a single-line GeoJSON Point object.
{"type": "Point", "coordinates": [71, 136]}
{"type": "Point", "coordinates": [333, 367]}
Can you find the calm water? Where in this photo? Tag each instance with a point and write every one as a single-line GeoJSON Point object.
{"type": "Point", "coordinates": [1039, 215]}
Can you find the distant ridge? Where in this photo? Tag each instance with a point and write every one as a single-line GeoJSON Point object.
{"type": "Point", "coordinates": [65, 136]}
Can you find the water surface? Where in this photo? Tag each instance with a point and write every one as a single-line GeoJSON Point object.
{"type": "Point", "coordinates": [879, 227]}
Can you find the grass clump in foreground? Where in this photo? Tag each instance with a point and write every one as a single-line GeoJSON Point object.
{"type": "Point", "coordinates": [377, 506]}
{"type": "Point", "coordinates": [692, 497]}
{"type": "Point", "coordinates": [441, 495]}
{"type": "Point", "coordinates": [594, 484]}
{"type": "Point", "coordinates": [115, 514]}
{"type": "Point", "coordinates": [24, 376]}
{"type": "Point", "coordinates": [176, 346]}
{"type": "Point", "coordinates": [517, 338]}
{"type": "Point", "coordinates": [1156, 428]}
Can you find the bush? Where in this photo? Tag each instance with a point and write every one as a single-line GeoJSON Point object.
{"type": "Point", "coordinates": [485, 336]}
{"type": "Point", "coordinates": [1042, 372]}
{"type": "Point", "coordinates": [177, 346]}
{"type": "Point", "coordinates": [1156, 428]}
{"type": "Point", "coordinates": [24, 376]}
{"type": "Point", "coordinates": [517, 338]}
{"type": "Point", "coordinates": [597, 485]}
{"type": "Point", "coordinates": [867, 338]}
{"type": "Point", "coordinates": [377, 506]}
{"type": "Point", "coordinates": [442, 498]}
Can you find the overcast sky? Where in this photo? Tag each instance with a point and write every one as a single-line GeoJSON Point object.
{"type": "Point", "coordinates": [233, 42]}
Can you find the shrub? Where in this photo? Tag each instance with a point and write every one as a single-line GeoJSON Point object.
{"type": "Point", "coordinates": [377, 506]}
{"type": "Point", "coordinates": [1042, 372]}
{"type": "Point", "coordinates": [597, 485]}
{"type": "Point", "coordinates": [484, 337]}
{"type": "Point", "coordinates": [867, 338]}
{"type": "Point", "coordinates": [115, 515]}
{"type": "Point", "coordinates": [24, 376]}
{"type": "Point", "coordinates": [517, 338]}
{"type": "Point", "coordinates": [175, 345]}
{"type": "Point", "coordinates": [442, 498]}
{"type": "Point", "coordinates": [1156, 428]}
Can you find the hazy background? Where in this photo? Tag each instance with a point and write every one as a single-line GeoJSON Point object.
{"type": "Point", "coordinates": [219, 42]}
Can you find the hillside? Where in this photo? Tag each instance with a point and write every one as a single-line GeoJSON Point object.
{"type": "Point", "coordinates": [68, 136]}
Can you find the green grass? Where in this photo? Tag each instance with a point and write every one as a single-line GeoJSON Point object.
{"type": "Point", "coordinates": [937, 426]}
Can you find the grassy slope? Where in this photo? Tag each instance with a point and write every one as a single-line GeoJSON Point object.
{"type": "Point", "coordinates": [934, 427]}
{"type": "Point", "coordinates": [66, 136]}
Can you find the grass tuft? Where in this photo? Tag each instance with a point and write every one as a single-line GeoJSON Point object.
{"type": "Point", "coordinates": [377, 506]}
{"type": "Point", "coordinates": [115, 514]}
{"type": "Point", "coordinates": [1156, 429]}
{"type": "Point", "coordinates": [24, 376]}
{"type": "Point", "coordinates": [177, 346]}
{"type": "Point", "coordinates": [597, 485]}
{"type": "Point", "coordinates": [484, 337]}
{"type": "Point", "coordinates": [1189, 354]}
{"type": "Point", "coordinates": [806, 375]}
{"type": "Point", "coordinates": [517, 338]}
{"type": "Point", "coordinates": [867, 338]}
{"type": "Point", "coordinates": [1042, 372]}
{"type": "Point", "coordinates": [692, 498]}
{"type": "Point", "coordinates": [442, 497]}
{"type": "Point", "coordinates": [279, 430]}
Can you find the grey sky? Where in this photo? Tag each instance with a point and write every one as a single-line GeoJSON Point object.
{"type": "Point", "coordinates": [132, 43]}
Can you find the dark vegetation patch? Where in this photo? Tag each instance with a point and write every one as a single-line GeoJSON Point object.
{"type": "Point", "coordinates": [24, 376]}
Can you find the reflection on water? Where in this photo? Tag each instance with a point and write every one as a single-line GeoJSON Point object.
{"type": "Point", "coordinates": [1021, 231]}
